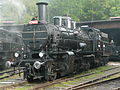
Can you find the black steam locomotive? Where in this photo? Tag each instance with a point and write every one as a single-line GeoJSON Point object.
{"type": "Point", "coordinates": [59, 49]}
{"type": "Point", "coordinates": [10, 46]}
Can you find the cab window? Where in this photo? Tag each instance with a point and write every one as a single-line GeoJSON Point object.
{"type": "Point", "coordinates": [72, 25]}
{"type": "Point", "coordinates": [56, 21]}
{"type": "Point", "coordinates": [65, 22]}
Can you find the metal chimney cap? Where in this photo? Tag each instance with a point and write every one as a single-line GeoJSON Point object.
{"type": "Point", "coordinates": [45, 3]}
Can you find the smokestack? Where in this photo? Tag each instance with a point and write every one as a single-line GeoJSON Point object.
{"type": "Point", "coordinates": [42, 11]}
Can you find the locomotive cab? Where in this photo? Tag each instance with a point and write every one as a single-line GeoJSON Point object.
{"type": "Point", "coordinates": [64, 21]}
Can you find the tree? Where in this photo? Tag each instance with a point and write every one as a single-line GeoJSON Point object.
{"type": "Point", "coordinates": [79, 10]}
{"type": "Point", "coordinates": [86, 10]}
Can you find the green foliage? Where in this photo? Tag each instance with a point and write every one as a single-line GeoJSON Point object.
{"type": "Point", "coordinates": [31, 10]}
{"type": "Point", "coordinates": [86, 10]}
{"type": "Point", "coordinates": [79, 10]}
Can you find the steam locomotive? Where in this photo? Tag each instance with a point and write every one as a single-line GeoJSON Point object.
{"type": "Point", "coordinates": [10, 44]}
{"type": "Point", "coordinates": [58, 49]}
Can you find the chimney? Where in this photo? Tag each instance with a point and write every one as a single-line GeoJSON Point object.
{"type": "Point", "coordinates": [42, 11]}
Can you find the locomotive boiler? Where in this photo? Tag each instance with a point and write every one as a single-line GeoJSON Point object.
{"type": "Point", "coordinates": [58, 49]}
{"type": "Point", "coordinates": [10, 45]}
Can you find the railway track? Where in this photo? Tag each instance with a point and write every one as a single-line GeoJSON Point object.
{"type": "Point", "coordinates": [93, 82]}
{"type": "Point", "coordinates": [9, 73]}
{"type": "Point", "coordinates": [109, 84]}
{"type": "Point", "coordinates": [45, 85]}
{"type": "Point", "coordinates": [8, 78]}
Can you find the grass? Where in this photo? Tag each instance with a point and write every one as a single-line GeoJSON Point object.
{"type": "Point", "coordinates": [23, 87]}
{"type": "Point", "coordinates": [110, 77]}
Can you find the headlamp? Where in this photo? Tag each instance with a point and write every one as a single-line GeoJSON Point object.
{"type": "Point", "coordinates": [16, 54]}
{"type": "Point", "coordinates": [103, 45]}
{"type": "Point", "coordinates": [24, 56]}
{"type": "Point", "coordinates": [99, 45]}
{"type": "Point", "coordinates": [41, 54]}
{"type": "Point", "coordinates": [22, 48]}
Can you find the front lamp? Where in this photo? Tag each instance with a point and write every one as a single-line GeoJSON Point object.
{"type": "Point", "coordinates": [16, 54]}
{"type": "Point", "coordinates": [41, 54]}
